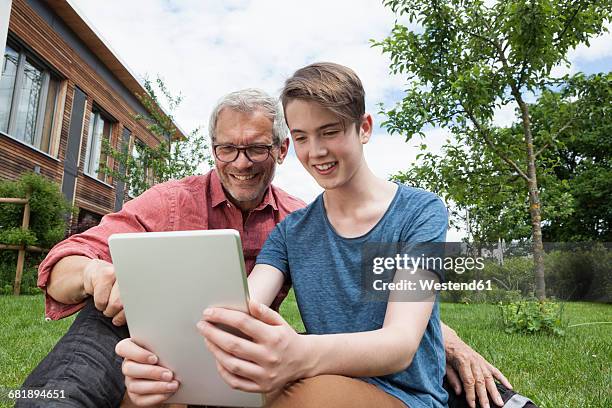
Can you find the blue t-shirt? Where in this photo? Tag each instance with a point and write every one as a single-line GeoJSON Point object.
{"type": "Point", "coordinates": [324, 269]}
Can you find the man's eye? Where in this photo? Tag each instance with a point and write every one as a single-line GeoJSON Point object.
{"type": "Point", "coordinates": [331, 133]}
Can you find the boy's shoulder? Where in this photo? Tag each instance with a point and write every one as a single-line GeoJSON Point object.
{"type": "Point", "coordinates": [413, 198]}
{"type": "Point", "coordinates": [416, 193]}
{"type": "Point", "coordinates": [303, 214]}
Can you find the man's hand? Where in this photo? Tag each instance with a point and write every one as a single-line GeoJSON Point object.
{"type": "Point", "coordinates": [148, 384]}
{"type": "Point", "coordinates": [100, 282]}
{"type": "Point", "coordinates": [467, 369]}
{"type": "Point", "coordinates": [267, 361]}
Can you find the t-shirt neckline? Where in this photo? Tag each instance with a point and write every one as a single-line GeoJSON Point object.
{"type": "Point", "coordinates": [364, 236]}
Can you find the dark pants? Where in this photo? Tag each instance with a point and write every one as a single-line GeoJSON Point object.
{"type": "Point", "coordinates": [83, 364]}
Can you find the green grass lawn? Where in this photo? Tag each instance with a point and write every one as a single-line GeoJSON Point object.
{"type": "Point", "coordinates": [573, 371]}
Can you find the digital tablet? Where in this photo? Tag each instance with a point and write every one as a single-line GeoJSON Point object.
{"type": "Point", "coordinates": [166, 280]}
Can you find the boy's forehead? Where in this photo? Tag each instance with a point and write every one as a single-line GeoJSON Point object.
{"type": "Point", "coordinates": [310, 114]}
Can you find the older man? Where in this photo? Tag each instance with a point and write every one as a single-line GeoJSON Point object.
{"type": "Point", "coordinates": [249, 138]}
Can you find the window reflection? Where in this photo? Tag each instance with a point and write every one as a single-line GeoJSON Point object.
{"type": "Point", "coordinates": [28, 99]}
{"type": "Point", "coordinates": [99, 129]}
{"type": "Point", "coordinates": [27, 106]}
{"type": "Point", "coordinates": [7, 84]}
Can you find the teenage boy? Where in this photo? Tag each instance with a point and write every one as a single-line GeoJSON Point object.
{"type": "Point", "coordinates": [356, 354]}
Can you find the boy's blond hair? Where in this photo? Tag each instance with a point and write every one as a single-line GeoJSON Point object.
{"type": "Point", "coordinates": [331, 85]}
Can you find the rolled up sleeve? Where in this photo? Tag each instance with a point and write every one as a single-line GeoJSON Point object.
{"type": "Point", "coordinates": [152, 211]}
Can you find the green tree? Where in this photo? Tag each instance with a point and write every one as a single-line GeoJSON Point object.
{"type": "Point", "coordinates": [575, 174]}
{"type": "Point", "coordinates": [580, 156]}
{"type": "Point", "coordinates": [469, 57]}
{"type": "Point", "coordinates": [166, 161]}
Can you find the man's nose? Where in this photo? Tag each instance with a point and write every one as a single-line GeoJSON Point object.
{"type": "Point", "coordinates": [242, 161]}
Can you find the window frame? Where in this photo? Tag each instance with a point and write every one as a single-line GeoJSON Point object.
{"type": "Point", "coordinates": [108, 119]}
{"type": "Point", "coordinates": [26, 55]}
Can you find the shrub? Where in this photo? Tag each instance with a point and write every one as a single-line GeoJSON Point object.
{"type": "Point", "coordinates": [493, 296]}
{"type": "Point", "coordinates": [49, 214]}
{"type": "Point", "coordinates": [49, 210]}
{"type": "Point", "coordinates": [580, 272]}
{"type": "Point", "coordinates": [530, 317]}
{"type": "Point", "coordinates": [8, 262]}
{"type": "Point", "coordinates": [511, 282]}
{"type": "Point", "coordinates": [516, 274]}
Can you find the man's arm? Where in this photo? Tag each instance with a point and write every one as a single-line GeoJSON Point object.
{"type": "Point", "coordinates": [75, 277]}
{"type": "Point", "coordinates": [66, 280]}
{"type": "Point", "coordinates": [80, 265]}
{"type": "Point", "coordinates": [466, 369]}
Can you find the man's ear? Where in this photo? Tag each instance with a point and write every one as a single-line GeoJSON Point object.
{"type": "Point", "coordinates": [282, 151]}
{"type": "Point", "coordinates": [365, 128]}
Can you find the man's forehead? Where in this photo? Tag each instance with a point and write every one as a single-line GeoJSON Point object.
{"type": "Point", "coordinates": [232, 124]}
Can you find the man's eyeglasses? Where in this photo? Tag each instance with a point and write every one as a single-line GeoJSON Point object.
{"type": "Point", "coordinates": [256, 153]}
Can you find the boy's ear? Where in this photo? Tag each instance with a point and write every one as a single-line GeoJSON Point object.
{"type": "Point", "coordinates": [365, 128]}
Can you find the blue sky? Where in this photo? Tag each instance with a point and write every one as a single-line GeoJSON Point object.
{"type": "Point", "coordinates": [205, 49]}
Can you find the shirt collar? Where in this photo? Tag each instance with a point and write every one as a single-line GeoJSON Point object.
{"type": "Point", "coordinates": [217, 194]}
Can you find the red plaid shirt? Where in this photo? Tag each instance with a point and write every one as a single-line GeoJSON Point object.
{"type": "Point", "coordinates": [194, 203]}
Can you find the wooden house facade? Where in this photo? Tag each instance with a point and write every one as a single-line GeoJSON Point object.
{"type": "Point", "coordinates": [63, 91]}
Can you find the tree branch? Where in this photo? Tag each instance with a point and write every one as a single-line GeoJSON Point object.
{"type": "Point", "coordinates": [568, 23]}
{"type": "Point", "coordinates": [488, 140]}
{"type": "Point", "coordinates": [556, 134]}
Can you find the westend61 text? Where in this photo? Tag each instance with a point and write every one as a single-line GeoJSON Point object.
{"type": "Point", "coordinates": [431, 285]}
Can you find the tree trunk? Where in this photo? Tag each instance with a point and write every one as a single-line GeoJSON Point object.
{"type": "Point", "coordinates": [534, 204]}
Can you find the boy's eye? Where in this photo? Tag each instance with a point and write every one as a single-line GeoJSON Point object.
{"type": "Point", "coordinates": [330, 133]}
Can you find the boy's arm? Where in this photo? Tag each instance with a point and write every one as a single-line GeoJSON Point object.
{"type": "Point", "coordinates": [275, 354]}
{"type": "Point", "coordinates": [265, 282]}
{"type": "Point", "coordinates": [379, 352]}
{"type": "Point", "coordinates": [374, 353]}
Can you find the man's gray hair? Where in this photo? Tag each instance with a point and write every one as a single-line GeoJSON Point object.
{"type": "Point", "coordinates": [247, 101]}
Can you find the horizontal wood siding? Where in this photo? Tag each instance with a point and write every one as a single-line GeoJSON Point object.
{"type": "Point", "coordinates": [15, 158]}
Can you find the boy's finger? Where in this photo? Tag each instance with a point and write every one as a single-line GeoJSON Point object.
{"type": "Point", "coordinates": [128, 349]}
{"type": "Point", "coordinates": [148, 387]}
{"type": "Point", "coordinates": [146, 371]}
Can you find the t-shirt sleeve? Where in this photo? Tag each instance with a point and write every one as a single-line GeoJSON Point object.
{"type": "Point", "coordinates": [274, 251]}
{"type": "Point", "coordinates": [429, 224]}
{"type": "Point", "coordinates": [424, 235]}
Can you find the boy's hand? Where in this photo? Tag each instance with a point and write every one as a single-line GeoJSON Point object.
{"type": "Point", "coordinates": [147, 383]}
{"type": "Point", "coordinates": [272, 357]}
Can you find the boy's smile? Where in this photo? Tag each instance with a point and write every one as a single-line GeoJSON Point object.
{"type": "Point", "coordinates": [325, 168]}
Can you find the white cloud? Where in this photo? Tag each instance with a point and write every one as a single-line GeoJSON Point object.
{"type": "Point", "coordinates": [598, 48]}
{"type": "Point", "coordinates": [206, 49]}
{"type": "Point", "coordinates": [505, 115]}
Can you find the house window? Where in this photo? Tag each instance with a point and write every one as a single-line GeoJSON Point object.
{"type": "Point", "coordinates": [100, 128]}
{"type": "Point", "coordinates": [28, 99]}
